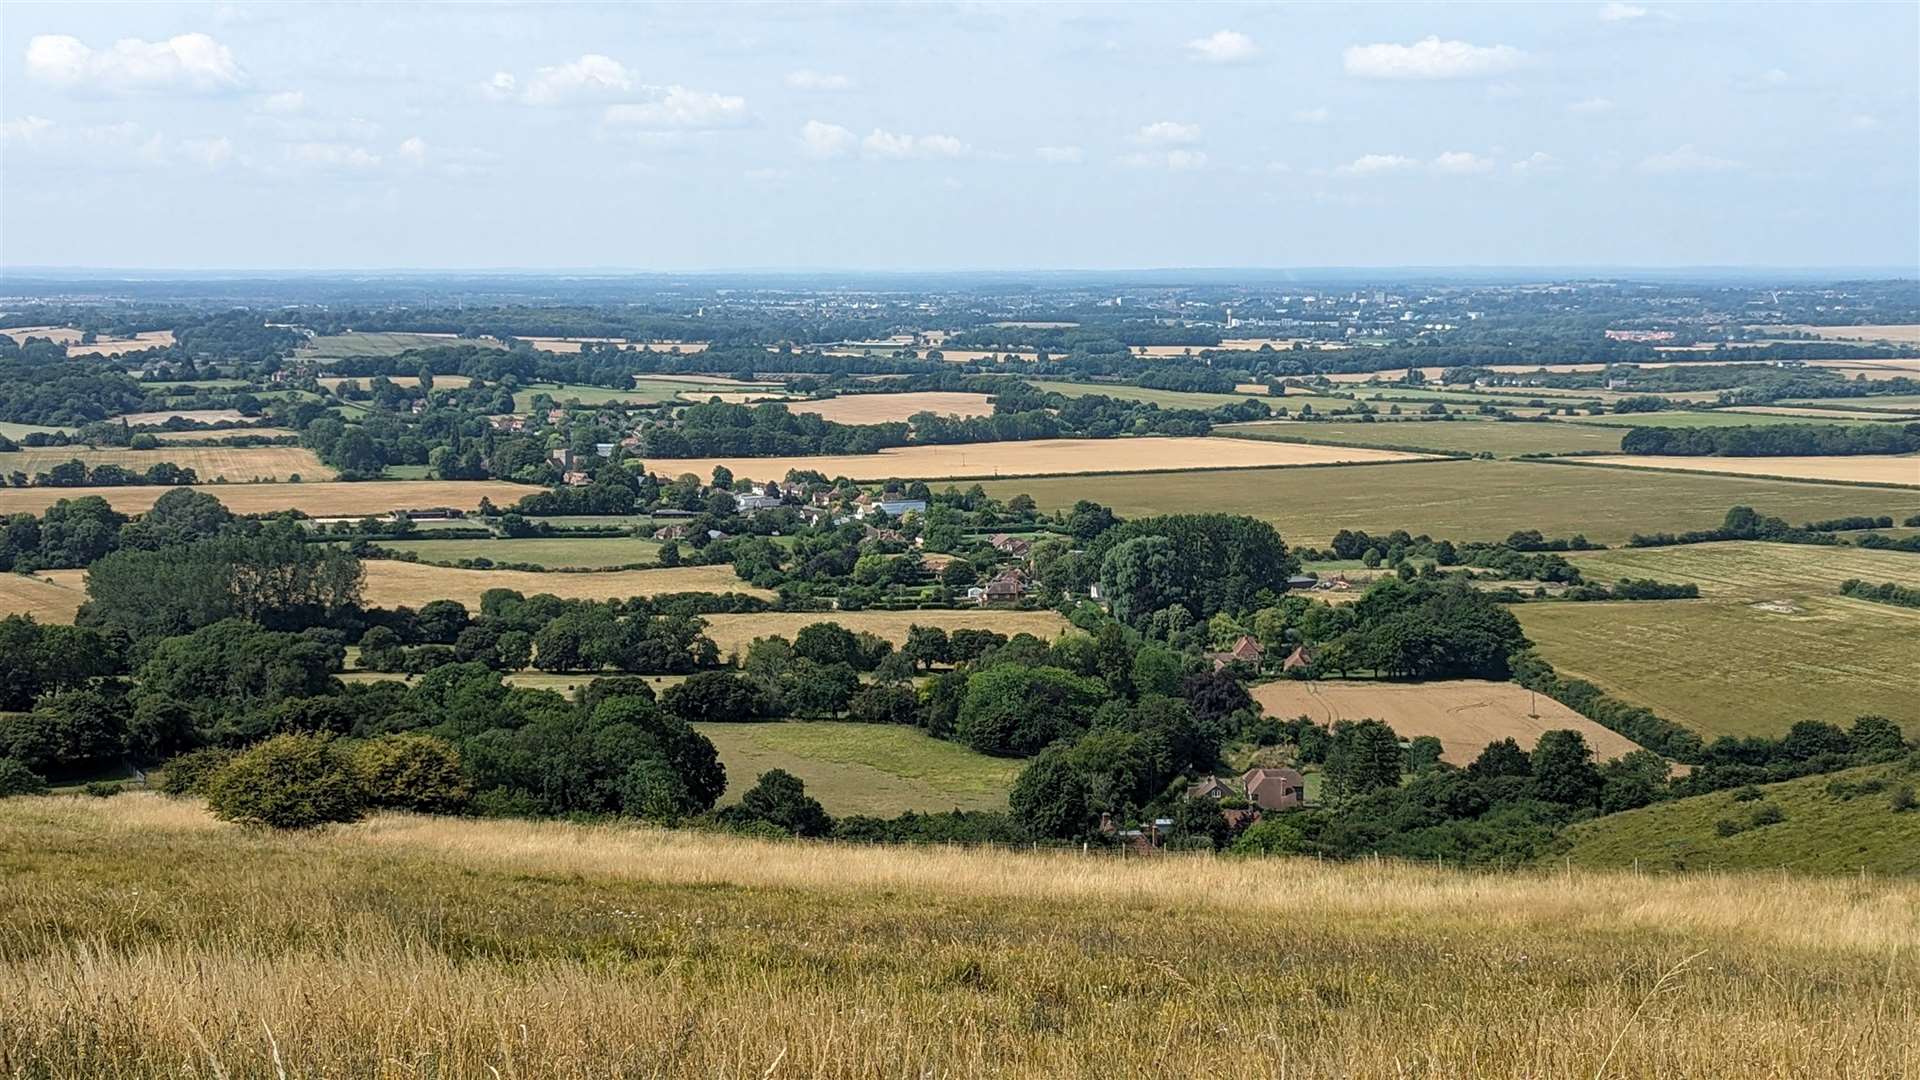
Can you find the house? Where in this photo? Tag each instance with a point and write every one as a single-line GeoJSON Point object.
{"type": "Point", "coordinates": [1245, 651]}
{"type": "Point", "coordinates": [1011, 545]}
{"type": "Point", "coordinates": [748, 502]}
{"type": "Point", "coordinates": [1007, 585]}
{"type": "Point", "coordinates": [1299, 658]}
{"type": "Point", "coordinates": [672, 532]}
{"type": "Point", "coordinates": [603, 449]}
{"type": "Point", "coordinates": [1211, 788]}
{"type": "Point", "coordinates": [576, 478]}
{"type": "Point", "coordinates": [554, 416]}
{"type": "Point", "coordinates": [427, 513]}
{"type": "Point", "coordinates": [1275, 789]}
{"type": "Point", "coordinates": [509, 423]}
{"type": "Point", "coordinates": [890, 507]}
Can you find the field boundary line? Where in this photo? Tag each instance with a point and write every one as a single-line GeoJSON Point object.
{"type": "Point", "coordinates": [1574, 460]}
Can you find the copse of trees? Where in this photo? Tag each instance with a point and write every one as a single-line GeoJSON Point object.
{"type": "Point", "coordinates": [1202, 563]}
{"type": "Point", "coordinates": [1886, 592]}
{"type": "Point", "coordinates": [274, 578]}
{"type": "Point", "coordinates": [1774, 440]}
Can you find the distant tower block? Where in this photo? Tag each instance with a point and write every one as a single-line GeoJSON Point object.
{"type": "Point", "coordinates": [1230, 321]}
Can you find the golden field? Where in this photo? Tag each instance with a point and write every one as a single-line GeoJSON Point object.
{"type": "Point", "coordinates": [391, 583]}
{"type": "Point", "coordinates": [894, 408]}
{"type": "Point", "coordinates": [1464, 714]}
{"type": "Point", "coordinates": [1039, 457]}
{"type": "Point", "coordinates": [146, 939]}
{"type": "Point", "coordinates": [224, 433]}
{"type": "Point", "coordinates": [1901, 470]}
{"type": "Point", "coordinates": [322, 500]}
{"type": "Point", "coordinates": [146, 339]}
{"type": "Point", "coordinates": [1903, 334]}
{"type": "Point", "coordinates": [50, 596]}
{"type": "Point", "coordinates": [733, 633]}
{"type": "Point", "coordinates": [234, 464]}
{"type": "Point", "coordinates": [198, 416]}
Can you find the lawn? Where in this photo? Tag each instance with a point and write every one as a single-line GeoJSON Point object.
{"type": "Point", "coordinates": [554, 553]}
{"type": "Point", "coordinates": [1503, 438]}
{"type": "Point", "coordinates": [877, 769]}
{"type": "Point", "coordinates": [147, 939]}
{"type": "Point", "coordinates": [1464, 500]}
{"type": "Point", "coordinates": [1769, 642]}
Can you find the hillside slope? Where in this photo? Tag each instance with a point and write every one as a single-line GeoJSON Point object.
{"type": "Point", "coordinates": [1824, 830]}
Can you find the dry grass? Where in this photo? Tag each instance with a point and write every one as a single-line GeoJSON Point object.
{"type": "Point", "coordinates": [51, 596]}
{"type": "Point", "coordinates": [1814, 414]}
{"type": "Point", "coordinates": [223, 433]}
{"type": "Point", "coordinates": [202, 416]}
{"type": "Point", "coordinates": [147, 339]}
{"type": "Point", "coordinates": [143, 939]}
{"type": "Point", "coordinates": [1899, 368]}
{"type": "Point", "coordinates": [894, 408]}
{"type": "Point", "coordinates": [59, 335]}
{"type": "Point", "coordinates": [390, 583]}
{"type": "Point", "coordinates": [736, 632]}
{"type": "Point", "coordinates": [1464, 714]}
{"type": "Point", "coordinates": [440, 382]}
{"type": "Point", "coordinates": [1902, 470]}
{"type": "Point", "coordinates": [234, 464]}
{"type": "Point", "coordinates": [1902, 333]}
{"type": "Point", "coordinates": [1039, 457]}
{"type": "Point", "coordinates": [320, 500]}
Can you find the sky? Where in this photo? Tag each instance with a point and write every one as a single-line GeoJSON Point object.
{"type": "Point", "coordinates": [958, 136]}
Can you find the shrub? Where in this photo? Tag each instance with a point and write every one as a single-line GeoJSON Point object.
{"type": "Point", "coordinates": [412, 772]}
{"type": "Point", "coordinates": [1748, 794]}
{"type": "Point", "coordinates": [1768, 814]}
{"type": "Point", "coordinates": [1902, 799]}
{"type": "Point", "coordinates": [288, 782]}
{"type": "Point", "coordinates": [189, 773]}
{"type": "Point", "coordinates": [101, 789]}
{"type": "Point", "coordinates": [17, 779]}
{"type": "Point", "coordinates": [1729, 827]}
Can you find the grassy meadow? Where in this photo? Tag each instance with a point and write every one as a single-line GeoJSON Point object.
{"type": "Point", "coordinates": [1506, 438]}
{"type": "Point", "coordinates": [1464, 500]}
{"type": "Point", "coordinates": [382, 343]}
{"type": "Point", "coordinates": [1769, 642]}
{"type": "Point", "coordinates": [390, 582]}
{"type": "Point", "coordinates": [733, 633]}
{"type": "Point", "coordinates": [1714, 418]}
{"type": "Point", "coordinates": [878, 769]}
{"type": "Point", "coordinates": [233, 464]}
{"type": "Point", "coordinates": [362, 499]}
{"type": "Point", "coordinates": [646, 391]}
{"type": "Point", "coordinates": [551, 552]}
{"type": "Point", "coordinates": [146, 939]}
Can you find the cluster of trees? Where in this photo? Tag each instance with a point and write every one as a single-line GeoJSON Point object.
{"type": "Point", "coordinates": [73, 533]}
{"type": "Point", "coordinates": [1886, 592]}
{"type": "Point", "coordinates": [1201, 564]}
{"type": "Point", "coordinates": [39, 385]}
{"type": "Point", "coordinates": [512, 631]}
{"type": "Point", "coordinates": [717, 429]}
{"type": "Point", "coordinates": [1775, 440]}
{"type": "Point", "coordinates": [1417, 630]}
{"type": "Point", "coordinates": [75, 473]}
{"type": "Point", "coordinates": [1741, 523]}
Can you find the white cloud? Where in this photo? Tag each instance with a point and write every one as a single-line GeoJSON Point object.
{"type": "Point", "coordinates": [1461, 163]}
{"type": "Point", "coordinates": [1431, 58]}
{"type": "Point", "coordinates": [887, 144]}
{"type": "Point", "coordinates": [591, 77]}
{"type": "Point", "coordinates": [1592, 106]}
{"type": "Point", "coordinates": [211, 153]}
{"type": "Point", "coordinates": [823, 140]}
{"type": "Point", "coordinates": [25, 129]}
{"type": "Point", "coordinates": [1060, 155]}
{"type": "Point", "coordinates": [1537, 162]}
{"type": "Point", "coordinates": [1168, 133]}
{"type": "Point", "coordinates": [1618, 12]}
{"type": "Point", "coordinates": [193, 63]}
{"type": "Point", "coordinates": [1223, 47]}
{"type": "Point", "coordinates": [678, 108]}
{"type": "Point", "coordinates": [817, 81]}
{"type": "Point", "coordinates": [1309, 116]}
{"type": "Point", "coordinates": [1686, 159]}
{"type": "Point", "coordinates": [1376, 165]}
{"type": "Point", "coordinates": [1174, 160]}
{"type": "Point", "coordinates": [1774, 77]}
{"type": "Point", "coordinates": [331, 155]}
{"type": "Point", "coordinates": [1863, 122]}
{"type": "Point", "coordinates": [413, 151]}
{"type": "Point", "coordinates": [286, 101]}
{"type": "Point", "coordinates": [501, 86]}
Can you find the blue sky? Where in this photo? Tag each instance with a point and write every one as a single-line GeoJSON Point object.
{"type": "Point", "coordinates": [890, 136]}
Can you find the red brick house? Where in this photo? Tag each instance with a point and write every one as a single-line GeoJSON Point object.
{"type": "Point", "coordinates": [1275, 789]}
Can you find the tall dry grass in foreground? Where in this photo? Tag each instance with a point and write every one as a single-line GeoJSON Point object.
{"type": "Point", "coordinates": [139, 938]}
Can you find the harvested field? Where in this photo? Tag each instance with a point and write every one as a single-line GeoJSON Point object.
{"type": "Point", "coordinates": [1873, 370]}
{"type": "Point", "coordinates": [59, 335]}
{"type": "Point", "coordinates": [1166, 399]}
{"type": "Point", "coordinates": [1770, 642]}
{"type": "Point", "coordinates": [1803, 413]}
{"type": "Point", "coordinates": [209, 463]}
{"type": "Point", "coordinates": [1464, 714]}
{"type": "Point", "coordinates": [146, 339]}
{"type": "Point", "coordinates": [1465, 500]}
{"type": "Point", "coordinates": [554, 553]}
{"type": "Point", "coordinates": [1901, 334]}
{"type": "Point", "coordinates": [224, 433]}
{"type": "Point", "coordinates": [878, 769]}
{"type": "Point", "coordinates": [440, 382]}
{"type": "Point", "coordinates": [51, 596]}
{"type": "Point", "coordinates": [892, 408]}
{"type": "Point", "coordinates": [1504, 438]}
{"type": "Point", "coordinates": [1038, 457]}
{"type": "Point", "coordinates": [1716, 418]}
{"type": "Point", "coordinates": [1903, 469]}
{"type": "Point", "coordinates": [733, 633]}
{"type": "Point", "coordinates": [384, 343]}
{"type": "Point", "coordinates": [572, 344]}
{"type": "Point", "coordinates": [198, 416]}
{"type": "Point", "coordinates": [647, 390]}
{"type": "Point", "coordinates": [391, 583]}
{"type": "Point", "coordinates": [318, 500]}
{"type": "Point", "coordinates": [16, 431]}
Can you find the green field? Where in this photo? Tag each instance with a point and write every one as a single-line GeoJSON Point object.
{"type": "Point", "coordinates": [645, 392]}
{"type": "Point", "coordinates": [1173, 399]}
{"type": "Point", "coordinates": [1462, 500]}
{"type": "Point", "coordinates": [1706, 419]}
{"type": "Point", "coordinates": [1881, 402]}
{"type": "Point", "coordinates": [1824, 832]}
{"type": "Point", "coordinates": [20, 431]}
{"type": "Point", "coordinates": [407, 472]}
{"type": "Point", "coordinates": [1769, 642]}
{"type": "Point", "coordinates": [553, 553]}
{"type": "Point", "coordinates": [347, 346]}
{"type": "Point", "coordinates": [864, 768]}
{"type": "Point", "coordinates": [1501, 437]}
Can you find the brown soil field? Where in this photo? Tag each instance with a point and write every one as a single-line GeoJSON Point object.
{"type": "Point", "coordinates": [1905, 333]}
{"type": "Point", "coordinates": [1902, 470]}
{"type": "Point", "coordinates": [889, 408]}
{"type": "Point", "coordinates": [319, 500]}
{"type": "Point", "coordinates": [51, 596]}
{"type": "Point", "coordinates": [1039, 457]}
{"type": "Point", "coordinates": [234, 464]}
{"type": "Point", "coordinates": [223, 433]}
{"type": "Point", "coordinates": [1464, 714]}
{"type": "Point", "coordinates": [440, 382]}
{"type": "Point", "coordinates": [1816, 414]}
{"type": "Point", "coordinates": [204, 416]}
{"type": "Point", "coordinates": [146, 340]}
{"type": "Point", "coordinates": [391, 582]}
{"type": "Point", "coordinates": [733, 633]}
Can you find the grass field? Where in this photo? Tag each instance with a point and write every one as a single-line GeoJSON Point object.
{"type": "Point", "coordinates": [1037, 457]}
{"type": "Point", "coordinates": [1166, 399]}
{"type": "Point", "coordinates": [1715, 418]}
{"type": "Point", "coordinates": [879, 769]}
{"type": "Point", "coordinates": [440, 382]}
{"type": "Point", "coordinates": [234, 464]}
{"type": "Point", "coordinates": [51, 596]}
{"type": "Point", "coordinates": [200, 416]}
{"type": "Point", "coordinates": [1769, 642]}
{"type": "Point", "coordinates": [17, 431]}
{"type": "Point", "coordinates": [1878, 402]}
{"type": "Point", "coordinates": [350, 344]}
{"type": "Point", "coordinates": [391, 583]}
{"type": "Point", "coordinates": [225, 433]}
{"type": "Point", "coordinates": [646, 391]}
{"type": "Point", "coordinates": [735, 632]}
{"type": "Point", "coordinates": [889, 408]}
{"type": "Point", "coordinates": [146, 939]}
{"type": "Point", "coordinates": [370, 497]}
{"type": "Point", "coordinates": [551, 552]}
{"type": "Point", "coordinates": [1503, 438]}
{"type": "Point", "coordinates": [1903, 469]}
{"type": "Point", "coordinates": [1464, 500]}
{"type": "Point", "coordinates": [1823, 832]}
{"type": "Point", "coordinates": [1834, 412]}
{"type": "Point", "coordinates": [1464, 714]}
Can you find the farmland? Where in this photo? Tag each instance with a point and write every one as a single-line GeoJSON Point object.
{"type": "Point", "coordinates": [1903, 469]}
{"type": "Point", "coordinates": [1715, 418]}
{"type": "Point", "coordinates": [147, 934]}
{"type": "Point", "coordinates": [1770, 641]}
{"type": "Point", "coordinates": [391, 583]}
{"type": "Point", "coordinates": [16, 431]}
{"type": "Point", "coordinates": [350, 345]}
{"type": "Point", "coordinates": [882, 770]}
{"type": "Point", "coordinates": [733, 633]}
{"type": "Point", "coordinates": [645, 391]}
{"type": "Point", "coordinates": [1901, 334]}
{"type": "Point", "coordinates": [1465, 500]}
{"type": "Point", "coordinates": [51, 596]}
{"type": "Point", "coordinates": [1464, 714]}
{"type": "Point", "coordinates": [1036, 457]}
{"type": "Point", "coordinates": [1503, 438]}
{"type": "Point", "coordinates": [1166, 399]}
{"type": "Point", "coordinates": [553, 553]}
{"type": "Point", "coordinates": [1878, 403]}
{"type": "Point", "coordinates": [889, 408]}
{"type": "Point", "coordinates": [440, 382]}
{"type": "Point", "coordinates": [322, 500]}
{"type": "Point", "coordinates": [148, 339]}
{"type": "Point", "coordinates": [225, 433]}
{"type": "Point", "coordinates": [197, 416]}
{"type": "Point", "coordinates": [233, 464]}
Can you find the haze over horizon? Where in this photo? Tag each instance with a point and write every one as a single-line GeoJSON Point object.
{"type": "Point", "coordinates": [958, 138]}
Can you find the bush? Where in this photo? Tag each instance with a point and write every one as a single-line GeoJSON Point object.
{"type": "Point", "coordinates": [412, 772]}
{"type": "Point", "coordinates": [17, 779]}
{"type": "Point", "coordinates": [1748, 794]}
{"type": "Point", "coordinates": [1768, 814]}
{"type": "Point", "coordinates": [1902, 799]}
{"type": "Point", "coordinates": [289, 782]}
{"type": "Point", "coordinates": [101, 789]}
{"type": "Point", "coordinates": [1729, 827]}
{"type": "Point", "coordinates": [189, 773]}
